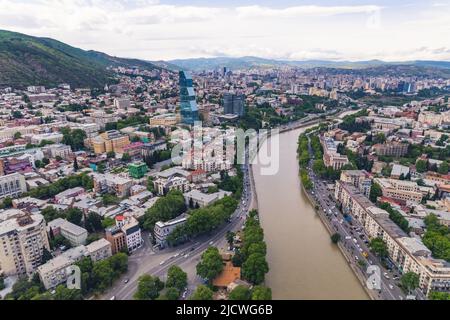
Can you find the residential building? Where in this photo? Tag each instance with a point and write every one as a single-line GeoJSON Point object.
{"type": "Point", "coordinates": [75, 234]}
{"type": "Point", "coordinates": [56, 271]}
{"type": "Point", "coordinates": [110, 183]}
{"type": "Point", "coordinates": [116, 238]}
{"type": "Point", "coordinates": [137, 170]}
{"type": "Point", "coordinates": [164, 120]}
{"type": "Point", "coordinates": [391, 149]}
{"type": "Point", "coordinates": [196, 198]}
{"type": "Point", "coordinates": [23, 239]}
{"type": "Point", "coordinates": [163, 186]}
{"type": "Point", "coordinates": [99, 250]}
{"type": "Point", "coordinates": [163, 229]}
{"type": "Point", "coordinates": [400, 189]}
{"type": "Point", "coordinates": [110, 141]}
{"type": "Point", "coordinates": [358, 178]}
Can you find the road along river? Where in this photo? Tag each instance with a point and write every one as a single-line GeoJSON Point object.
{"type": "Point", "coordinates": [303, 262]}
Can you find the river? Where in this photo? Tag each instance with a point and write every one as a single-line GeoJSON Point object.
{"type": "Point", "coordinates": [303, 262]}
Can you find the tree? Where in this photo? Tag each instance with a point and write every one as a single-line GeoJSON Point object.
{"type": "Point", "coordinates": [210, 265]}
{"type": "Point", "coordinates": [255, 268]}
{"type": "Point", "coordinates": [261, 293]}
{"type": "Point", "coordinates": [74, 215]}
{"type": "Point", "coordinates": [335, 238]}
{"type": "Point", "coordinates": [410, 281]}
{"type": "Point", "coordinates": [108, 222]}
{"type": "Point", "coordinates": [443, 168]}
{"type": "Point", "coordinates": [17, 135]}
{"type": "Point", "coordinates": [46, 256]}
{"type": "Point", "coordinates": [240, 293]}
{"type": "Point", "coordinates": [93, 222]}
{"type": "Point", "coordinates": [148, 288]}
{"type": "Point", "coordinates": [421, 166]}
{"type": "Point", "coordinates": [176, 278]}
{"type": "Point", "coordinates": [436, 295]}
{"type": "Point", "coordinates": [2, 282]}
{"type": "Point", "coordinates": [378, 246]}
{"type": "Point", "coordinates": [202, 293]}
{"type": "Point", "coordinates": [111, 155]}
{"type": "Point", "coordinates": [75, 164]}
{"type": "Point", "coordinates": [63, 293]}
{"type": "Point", "coordinates": [172, 293]}
{"type": "Point", "coordinates": [73, 138]}
{"type": "Point", "coordinates": [230, 238]}
{"type": "Point", "coordinates": [126, 157]}
{"type": "Point", "coordinates": [7, 203]}
{"type": "Point", "coordinates": [375, 192]}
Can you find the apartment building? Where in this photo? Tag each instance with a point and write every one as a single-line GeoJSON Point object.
{"type": "Point", "coordinates": [391, 149]}
{"type": "Point", "coordinates": [358, 178]}
{"type": "Point", "coordinates": [164, 229]}
{"type": "Point", "coordinates": [75, 234]}
{"type": "Point", "coordinates": [12, 185]}
{"type": "Point", "coordinates": [56, 271]}
{"type": "Point", "coordinates": [110, 141]}
{"type": "Point", "coordinates": [196, 198]}
{"type": "Point", "coordinates": [23, 238]}
{"type": "Point", "coordinates": [116, 238]}
{"type": "Point", "coordinates": [126, 234]}
{"type": "Point", "coordinates": [402, 190]}
{"type": "Point", "coordinates": [331, 157]}
{"type": "Point", "coordinates": [165, 120]}
{"type": "Point", "coordinates": [53, 137]}
{"type": "Point", "coordinates": [163, 186]}
{"type": "Point", "coordinates": [57, 150]}
{"type": "Point", "coordinates": [110, 183]}
{"type": "Point", "coordinates": [408, 254]}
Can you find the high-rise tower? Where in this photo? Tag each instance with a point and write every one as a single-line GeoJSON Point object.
{"type": "Point", "coordinates": [188, 105]}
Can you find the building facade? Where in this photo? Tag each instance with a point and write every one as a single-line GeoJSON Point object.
{"type": "Point", "coordinates": [188, 104]}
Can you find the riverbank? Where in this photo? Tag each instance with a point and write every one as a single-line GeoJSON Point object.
{"type": "Point", "coordinates": [344, 252]}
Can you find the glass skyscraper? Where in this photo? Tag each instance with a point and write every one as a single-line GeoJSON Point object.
{"type": "Point", "coordinates": [188, 105]}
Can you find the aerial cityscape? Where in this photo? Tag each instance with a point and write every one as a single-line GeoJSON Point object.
{"type": "Point", "coordinates": [224, 162]}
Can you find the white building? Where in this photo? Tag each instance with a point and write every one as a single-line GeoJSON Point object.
{"type": "Point", "coordinates": [12, 185]}
{"type": "Point", "coordinates": [164, 229]}
{"type": "Point", "coordinates": [75, 234]}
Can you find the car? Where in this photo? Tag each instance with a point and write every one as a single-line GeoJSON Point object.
{"type": "Point", "coordinates": [348, 238]}
{"type": "Point", "coordinates": [162, 262]}
{"type": "Point", "coordinates": [186, 255]}
{"type": "Point", "coordinates": [391, 286]}
{"type": "Point", "coordinates": [211, 243]}
{"type": "Point", "coordinates": [354, 240]}
{"type": "Point", "coordinates": [356, 258]}
{"type": "Point", "coordinates": [113, 298]}
{"type": "Point", "coordinates": [126, 281]}
{"type": "Point", "coordinates": [192, 249]}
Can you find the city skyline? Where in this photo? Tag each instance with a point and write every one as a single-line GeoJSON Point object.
{"type": "Point", "coordinates": [290, 30]}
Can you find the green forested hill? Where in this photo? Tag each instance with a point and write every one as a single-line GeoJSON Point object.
{"type": "Point", "coordinates": [26, 60]}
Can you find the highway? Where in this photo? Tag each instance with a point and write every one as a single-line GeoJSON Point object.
{"type": "Point", "coordinates": [147, 261]}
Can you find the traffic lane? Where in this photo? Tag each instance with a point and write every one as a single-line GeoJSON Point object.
{"type": "Point", "coordinates": [386, 283]}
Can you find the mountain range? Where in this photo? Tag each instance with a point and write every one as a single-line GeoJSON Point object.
{"type": "Point", "coordinates": [27, 60]}
{"type": "Point", "coordinates": [200, 64]}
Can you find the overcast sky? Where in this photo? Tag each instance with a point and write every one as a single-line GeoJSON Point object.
{"type": "Point", "coordinates": [283, 29]}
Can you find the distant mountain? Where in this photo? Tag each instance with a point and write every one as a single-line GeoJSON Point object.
{"type": "Point", "coordinates": [199, 64]}
{"type": "Point", "coordinates": [27, 60]}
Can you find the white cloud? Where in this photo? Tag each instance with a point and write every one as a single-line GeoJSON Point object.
{"type": "Point", "coordinates": [150, 29]}
{"type": "Point", "coordinates": [293, 12]}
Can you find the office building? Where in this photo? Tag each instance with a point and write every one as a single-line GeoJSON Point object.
{"type": "Point", "coordinates": [188, 104]}
{"type": "Point", "coordinates": [233, 104]}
